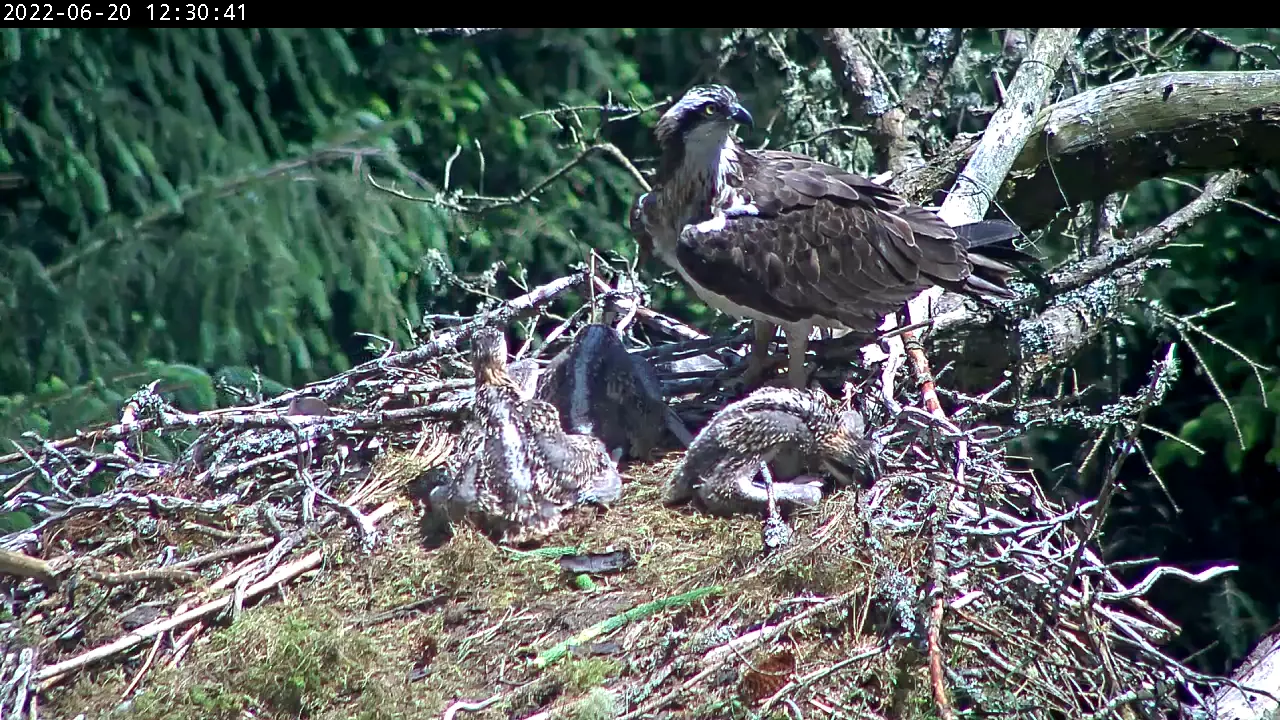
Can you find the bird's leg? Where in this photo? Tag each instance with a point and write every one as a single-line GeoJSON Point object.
{"type": "Point", "coordinates": [758, 359]}
{"type": "Point", "coordinates": [889, 372]}
{"type": "Point", "coordinates": [775, 532]}
{"type": "Point", "coordinates": [797, 346]}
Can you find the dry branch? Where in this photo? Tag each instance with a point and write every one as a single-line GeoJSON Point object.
{"type": "Point", "coordinates": [277, 578]}
{"type": "Point", "coordinates": [1114, 137]}
{"type": "Point", "coordinates": [449, 340]}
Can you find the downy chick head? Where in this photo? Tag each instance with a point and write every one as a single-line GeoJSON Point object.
{"type": "Point", "coordinates": [602, 390]}
{"type": "Point", "coordinates": [489, 356]}
{"type": "Point", "coordinates": [844, 448]}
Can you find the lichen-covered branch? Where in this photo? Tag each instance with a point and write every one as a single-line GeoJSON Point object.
{"type": "Point", "coordinates": [870, 97]}
{"type": "Point", "coordinates": [1115, 254]}
{"type": "Point", "coordinates": [1074, 319]}
{"type": "Point", "coordinates": [942, 47]}
{"type": "Point", "coordinates": [1085, 295]}
{"type": "Point", "coordinates": [1093, 290]}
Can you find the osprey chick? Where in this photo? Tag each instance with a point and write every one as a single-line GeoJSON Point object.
{"type": "Point", "coordinates": [515, 470]}
{"type": "Point", "coordinates": [722, 463]}
{"type": "Point", "coordinates": [789, 241]}
{"type": "Point", "coordinates": [601, 389]}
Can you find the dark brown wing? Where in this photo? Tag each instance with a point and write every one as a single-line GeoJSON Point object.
{"type": "Point", "coordinates": [972, 258]}
{"type": "Point", "coordinates": [823, 243]}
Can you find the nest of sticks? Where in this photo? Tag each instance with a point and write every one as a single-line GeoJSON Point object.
{"type": "Point", "coordinates": [952, 586]}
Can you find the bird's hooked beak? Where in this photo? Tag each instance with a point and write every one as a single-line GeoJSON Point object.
{"type": "Point", "coordinates": [843, 473]}
{"type": "Point", "coordinates": [739, 114]}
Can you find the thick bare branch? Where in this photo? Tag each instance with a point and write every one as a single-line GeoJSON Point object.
{"type": "Point", "coordinates": [1113, 137]}
{"type": "Point", "coordinates": [1009, 129]}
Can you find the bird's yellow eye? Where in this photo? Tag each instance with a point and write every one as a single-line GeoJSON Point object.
{"type": "Point", "coordinates": [709, 110]}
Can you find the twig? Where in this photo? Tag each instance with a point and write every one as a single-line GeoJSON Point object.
{"type": "Point", "coordinates": [446, 341]}
{"type": "Point", "coordinates": [280, 576]}
{"type": "Point", "coordinates": [816, 675]}
{"type": "Point", "coordinates": [222, 554]}
{"type": "Point", "coordinates": [1151, 578]}
{"type": "Point", "coordinates": [146, 632]}
{"type": "Point", "coordinates": [468, 706]}
{"type": "Point", "coordinates": [245, 419]}
{"type": "Point", "coordinates": [156, 504]}
{"type": "Point", "coordinates": [479, 203]}
{"type": "Point", "coordinates": [665, 323]}
{"type": "Point", "coordinates": [183, 643]}
{"type": "Point", "coordinates": [142, 671]}
{"type": "Point", "coordinates": [164, 574]}
{"type": "Point", "coordinates": [1153, 394]}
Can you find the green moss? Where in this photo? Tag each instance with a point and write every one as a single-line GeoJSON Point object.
{"type": "Point", "coordinates": [294, 662]}
{"type": "Point", "coordinates": [582, 674]}
{"type": "Point", "coordinates": [599, 704]}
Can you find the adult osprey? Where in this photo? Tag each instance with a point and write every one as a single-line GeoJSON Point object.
{"type": "Point", "coordinates": [789, 241]}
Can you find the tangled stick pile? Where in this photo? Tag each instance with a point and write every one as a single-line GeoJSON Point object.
{"type": "Point", "coordinates": [951, 583]}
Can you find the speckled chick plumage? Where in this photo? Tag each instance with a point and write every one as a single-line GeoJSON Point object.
{"type": "Point", "coordinates": [515, 470]}
{"type": "Point", "coordinates": [602, 390]}
{"type": "Point", "coordinates": [720, 468]}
